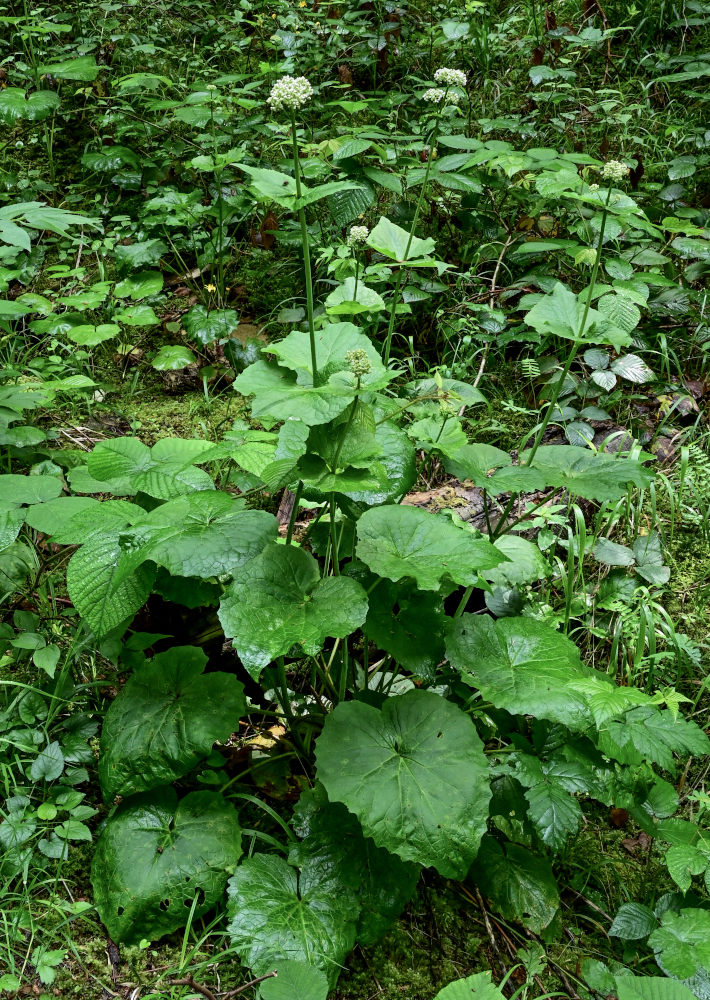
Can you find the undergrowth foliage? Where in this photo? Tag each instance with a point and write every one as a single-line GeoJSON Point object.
{"type": "Point", "coordinates": [425, 702]}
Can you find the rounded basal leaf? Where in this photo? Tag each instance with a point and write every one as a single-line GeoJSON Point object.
{"type": "Point", "coordinates": [155, 854]}
{"type": "Point", "coordinates": [277, 912]}
{"type": "Point", "coordinates": [16, 490]}
{"type": "Point", "coordinates": [333, 343]}
{"type": "Point", "coordinates": [203, 535]}
{"type": "Point", "coordinates": [278, 600]}
{"type": "Point", "coordinates": [519, 884]}
{"type": "Point", "coordinates": [594, 476]}
{"type": "Point", "coordinates": [295, 981]}
{"type": "Point", "coordinates": [477, 987]}
{"type": "Point", "coordinates": [165, 720]}
{"type": "Point", "coordinates": [88, 335]}
{"type": "Point", "coordinates": [102, 595]}
{"type": "Point", "coordinates": [526, 563]}
{"type": "Point", "coordinates": [652, 988]}
{"type": "Point", "coordinates": [399, 541]}
{"type": "Point", "coordinates": [399, 461]}
{"type": "Point", "coordinates": [16, 105]}
{"type": "Point", "coordinates": [279, 396]}
{"type": "Point", "coordinates": [349, 300]}
{"type": "Point", "coordinates": [109, 159]}
{"type": "Point", "coordinates": [333, 840]}
{"type": "Point", "coordinates": [81, 68]}
{"type": "Point", "coordinates": [140, 285]}
{"type": "Point", "coordinates": [413, 773]}
{"type": "Point", "coordinates": [206, 327]}
{"type": "Point", "coordinates": [138, 316]}
{"type": "Point", "coordinates": [521, 665]}
{"type": "Point", "coordinates": [172, 358]}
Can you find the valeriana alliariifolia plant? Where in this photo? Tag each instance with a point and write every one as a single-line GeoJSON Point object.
{"type": "Point", "coordinates": [452, 80]}
{"type": "Point", "coordinates": [356, 238]}
{"type": "Point", "coordinates": [612, 171]}
{"type": "Point", "coordinates": [291, 93]}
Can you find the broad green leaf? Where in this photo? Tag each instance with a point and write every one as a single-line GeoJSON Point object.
{"type": "Point", "coordinates": [278, 395]}
{"type": "Point", "coordinates": [347, 300]}
{"type": "Point", "coordinates": [611, 553]}
{"type": "Point", "coordinates": [526, 563]}
{"type": "Point", "coordinates": [271, 184]}
{"type": "Point", "coordinates": [391, 241]}
{"type": "Point", "coordinates": [11, 520]}
{"type": "Point", "coordinates": [409, 624]}
{"type": "Point", "coordinates": [155, 854]}
{"type": "Point", "coordinates": [92, 576]}
{"type": "Point", "coordinates": [80, 68]}
{"type": "Point", "coordinates": [16, 489]}
{"type": "Point", "coordinates": [682, 942]}
{"type": "Point", "coordinates": [279, 600]}
{"type": "Point", "coordinates": [492, 470]}
{"type": "Point", "coordinates": [87, 335]}
{"type": "Point", "coordinates": [646, 734]}
{"type": "Point", "coordinates": [632, 368]}
{"type": "Point", "coordinates": [593, 476]}
{"type": "Point", "coordinates": [413, 773]}
{"type": "Point", "coordinates": [295, 979]}
{"type": "Point", "coordinates": [311, 195]}
{"type": "Point", "coordinates": [521, 665]}
{"type": "Point", "coordinates": [278, 912]}
{"type": "Point", "coordinates": [47, 659]}
{"type": "Point", "coordinates": [439, 434]}
{"type": "Point", "coordinates": [333, 343]}
{"type": "Point", "coordinates": [519, 884]}
{"type": "Point", "coordinates": [632, 922]}
{"type": "Point", "coordinates": [165, 720]}
{"type": "Point", "coordinates": [333, 839]}
{"type": "Point", "coordinates": [173, 357]}
{"type": "Point", "coordinates": [73, 520]}
{"type": "Point", "coordinates": [476, 987]}
{"type": "Point", "coordinates": [619, 310]}
{"type": "Point", "coordinates": [651, 988]}
{"type": "Point", "coordinates": [87, 298]}
{"type": "Point", "coordinates": [140, 285]}
{"type": "Point", "coordinates": [165, 471]}
{"type": "Point", "coordinates": [399, 461]}
{"type": "Point", "coordinates": [346, 205]}
{"type": "Point", "coordinates": [16, 105]}
{"type": "Point", "coordinates": [683, 862]}
{"type": "Point", "coordinates": [49, 763]}
{"type": "Point", "coordinates": [137, 316]}
{"type": "Point", "coordinates": [562, 313]}
{"type": "Point", "coordinates": [205, 327]}
{"type": "Point", "coordinates": [398, 541]}
{"type": "Point", "coordinates": [451, 389]}
{"type": "Point", "coordinates": [109, 159]}
{"type": "Point", "coordinates": [204, 534]}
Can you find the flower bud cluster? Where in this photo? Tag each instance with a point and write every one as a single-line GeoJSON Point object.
{"type": "Point", "coordinates": [450, 77]}
{"type": "Point", "coordinates": [358, 235]}
{"type": "Point", "coordinates": [614, 170]}
{"type": "Point", "coordinates": [290, 92]}
{"type": "Point", "coordinates": [358, 362]}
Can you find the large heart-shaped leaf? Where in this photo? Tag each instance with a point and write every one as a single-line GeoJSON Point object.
{"type": "Point", "coordinates": [126, 466]}
{"type": "Point", "coordinates": [333, 839]}
{"type": "Point", "coordinates": [401, 541]}
{"type": "Point", "coordinates": [80, 68]}
{"type": "Point", "coordinates": [16, 105]}
{"type": "Point", "coordinates": [279, 396]}
{"type": "Point", "coordinates": [165, 720]}
{"type": "Point", "coordinates": [477, 987]}
{"type": "Point", "coordinates": [204, 534]}
{"type": "Point", "coordinates": [652, 988]}
{"type": "Point", "coordinates": [278, 600]}
{"type": "Point", "coordinates": [682, 943]}
{"type": "Point", "coordinates": [206, 327]}
{"type": "Point", "coordinates": [333, 343]}
{"type": "Point", "coordinates": [391, 241]}
{"type": "Point", "coordinates": [16, 489]}
{"type": "Point", "coordinates": [414, 774]}
{"type": "Point", "coordinates": [101, 593]}
{"type": "Point", "coordinates": [295, 979]}
{"type": "Point", "coordinates": [277, 912]}
{"type": "Point", "coordinates": [521, 665]}
{"type": "Point", "coordinates": [154, 854]}
{"type": "Point", "coordinates": [564, 314]}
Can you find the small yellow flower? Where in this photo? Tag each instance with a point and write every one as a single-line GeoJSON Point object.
{"type": "Point", "coordinates": [210, 288]}
{"type": "Point", "coordinates": [302, 3]}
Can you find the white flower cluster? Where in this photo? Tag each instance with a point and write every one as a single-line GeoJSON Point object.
{"type": "Point", "coordinates": [358, 362]}
{"type": "Point", "coordinates": [614, 170]}
{"type": "Point", "coordinates": [357, 235]}
{"type": "Point", "coordinates": [450, 77]}
{"type": "Point", "coordinates": [290, 92]}
{"type": "Point", "coordinates": [434, 95]}
{"type": "Point", "coordinates": [593, 187]}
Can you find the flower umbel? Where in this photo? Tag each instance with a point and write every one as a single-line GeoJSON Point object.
{"type": "Point", "coordinates": [434, 95]}
{"type": "Point", "coordinates": [450, 77]}
{"type": "Point", "coordinates": [290, 92]}
{"type": "Point", "coordinates": [358, 235]}
{"type": "Point", "coordinates": [614, 170]}
{"type": "Point", "coordinates": [358, 362]}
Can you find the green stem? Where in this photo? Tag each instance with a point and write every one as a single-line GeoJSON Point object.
{"type": "Point", "coordinates": [578, 340]}
{"type": "Point", "coordinates": [306, 248]}
{"type": "Point", "coordinates": [286, 708]}
{"type": "Point", "coordinates": [294, 512]}
{"type": "Point", "coordinates": [357, 275]}
{"type": "Point", "coordinates": [417, 210]}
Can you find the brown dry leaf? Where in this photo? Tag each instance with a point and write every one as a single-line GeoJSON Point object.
{"type": "Point", "coordinates": [641, 842]}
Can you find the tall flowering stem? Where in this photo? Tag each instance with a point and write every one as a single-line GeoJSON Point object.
{"type": "Point", "coordinates": [306, 247]}
{"type": "Point", "coordinates": [292, 93]}
{"type": "Point", "coordinates": [439, 97]}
